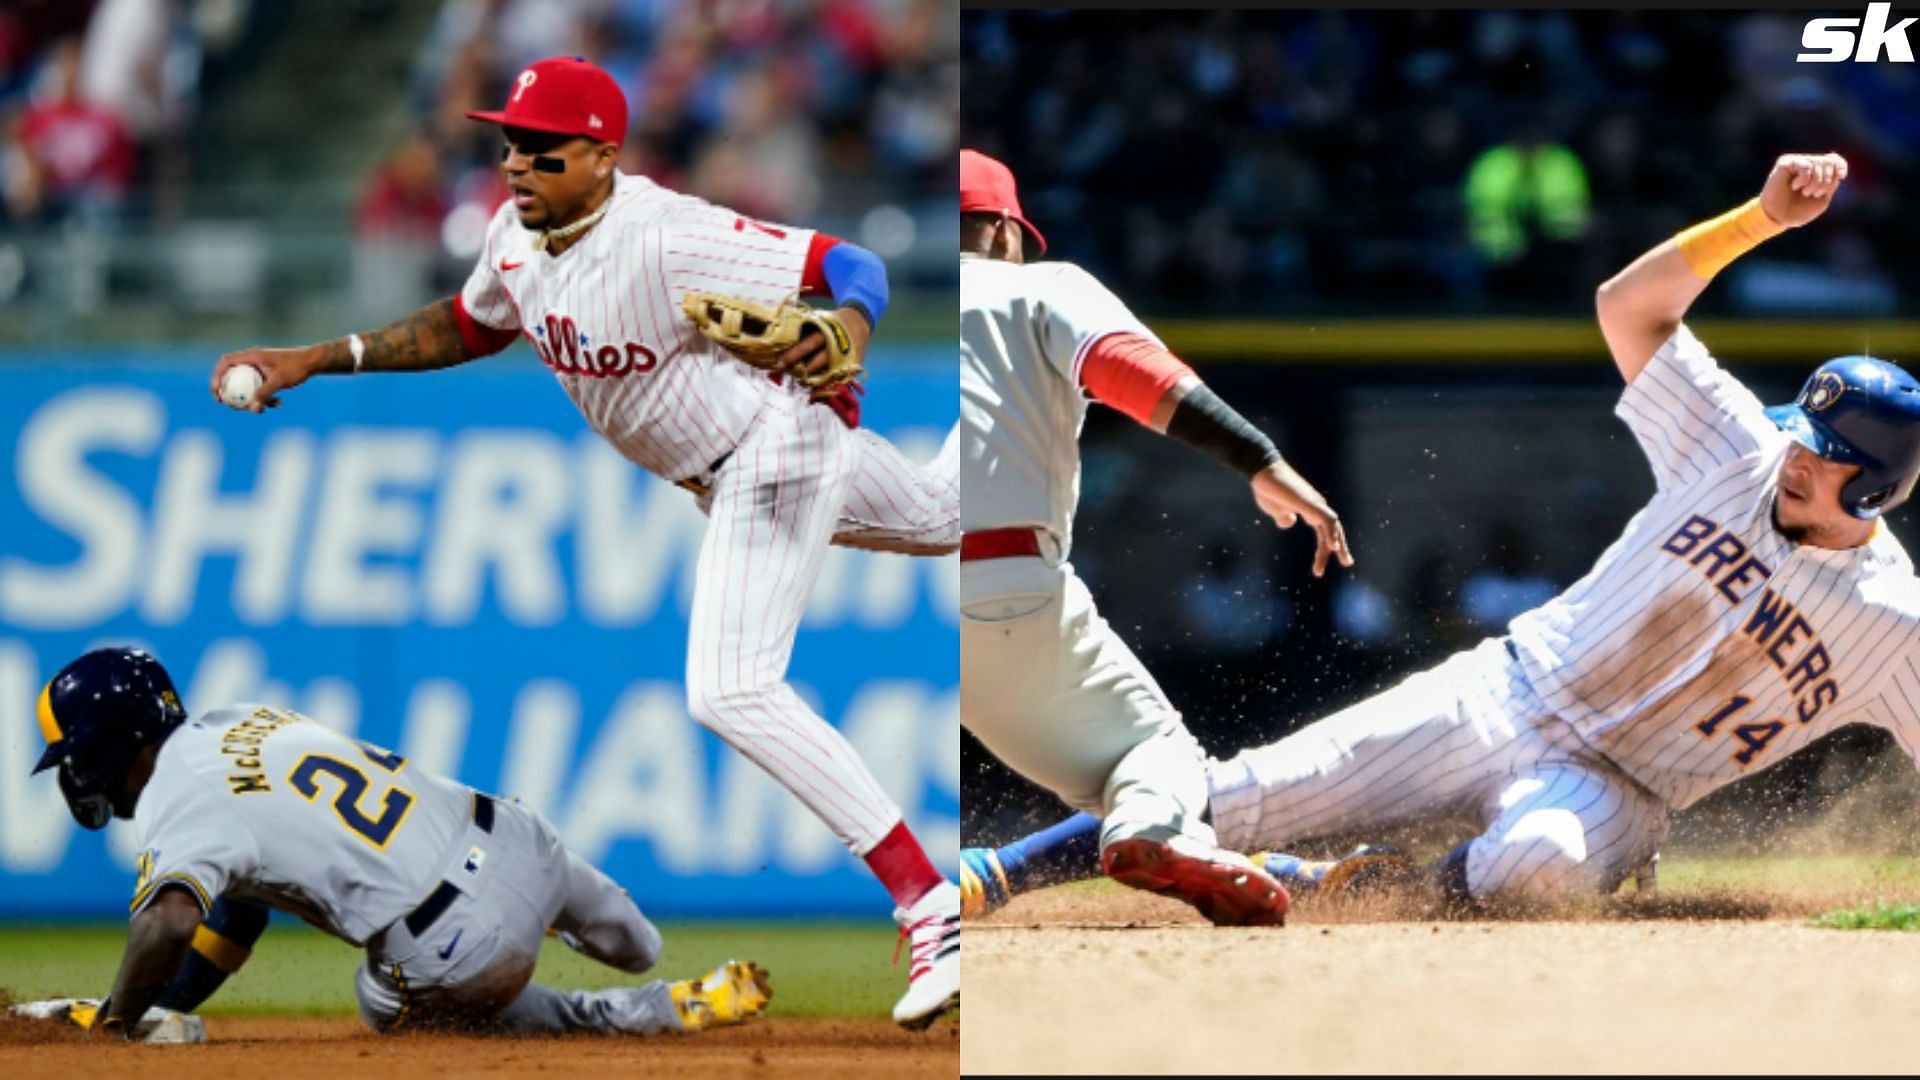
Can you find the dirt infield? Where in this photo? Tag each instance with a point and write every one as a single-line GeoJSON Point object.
{"type": "Point", "coordinates": [1729, 982]}
{"type": "Point", "coordinates": [253, 1047]}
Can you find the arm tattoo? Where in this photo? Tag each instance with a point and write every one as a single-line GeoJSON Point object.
{"type": "Point", "coordinates": [426, 340]}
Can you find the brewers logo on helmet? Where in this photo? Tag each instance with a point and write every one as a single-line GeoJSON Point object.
{"type": "Point", "coordinates": [1858, 410]}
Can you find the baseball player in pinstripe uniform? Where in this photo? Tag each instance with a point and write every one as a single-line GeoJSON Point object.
{"type": "Point", "coordinates": [591, 265]}
{"type": "Point", "coordinates": [1045, 683]}
{"type": "Point", "coordinates": [1756, 604]}
{"type": "Point", "coordinates": [449, 890]}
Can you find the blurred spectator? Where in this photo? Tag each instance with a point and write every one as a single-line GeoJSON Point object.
{"type": "Point", "coordinates": [27, 28]}
{"type": "Point", "coordinates": [139, 61]}
{"type": "Point", "coordinates": [403, 197]}
{"type": "Point", "coordinates": [1527, 205]}
{"type": "Point", "coordinates": [784, 111]}
{"type": "Point", "coordinates": [397, 231]}
{"type": "Point", "coordinates": [78, 152]}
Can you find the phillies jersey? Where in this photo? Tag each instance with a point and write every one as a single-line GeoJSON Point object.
{"type": "Point", "coordinates": [1704, 645]}
{"type": "Point", "coordinates": [605, 316]}
{"type": "Point", "coordinates": [266, 805]}
{"type": "Point", "coordinates": [1024, 332]}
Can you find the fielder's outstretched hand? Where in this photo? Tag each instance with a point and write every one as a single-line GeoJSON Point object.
{"type": "Point", "coordinates": [283, 369]}
{"type": "Point", "coordinates": [1286, 497]}
{"type": "Point", "coordinates": [1801, 187]}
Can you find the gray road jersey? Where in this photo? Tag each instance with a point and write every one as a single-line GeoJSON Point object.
{"type": "Point", "coordinates": [266, 805]}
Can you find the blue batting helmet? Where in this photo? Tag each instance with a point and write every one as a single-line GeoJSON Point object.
{"type": "Point", "coordinates": [1861, 411]}
{"type": "Point", "coordinates": [97, 715]}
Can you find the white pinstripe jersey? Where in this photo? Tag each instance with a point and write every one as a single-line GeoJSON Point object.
{"type": "Point", "coordinates": [1024, 332]}
{"type": "Point", "coordinates": [605, 315]}
{"type": "Point", "coordinates": [266, 805]}
{"type": "Point", "coordinates": [1705, 646]}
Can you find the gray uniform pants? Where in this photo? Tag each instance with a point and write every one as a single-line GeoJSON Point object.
{"type": "Point", "coordinates": [1048, 686]}
{"type": "Point", "coordinates": [473, 965]}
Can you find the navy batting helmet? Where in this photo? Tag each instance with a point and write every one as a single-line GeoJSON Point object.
{"type": "Point", "coordinates": [1861, 411]}
{"type": "Point", "coordinates": [98, 714]}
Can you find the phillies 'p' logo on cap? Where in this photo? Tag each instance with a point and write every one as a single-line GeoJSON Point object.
{"type": "Point", "coordinates": [564, 95]}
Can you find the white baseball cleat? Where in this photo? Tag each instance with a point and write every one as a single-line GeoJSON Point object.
{"type": "Point", "coordinates": [931, 929]}
{"type": "Point", "coordinates": [158, 1026]}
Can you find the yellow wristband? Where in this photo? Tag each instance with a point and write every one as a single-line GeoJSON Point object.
{"type": "Point", "coordinates": [1711, 246]}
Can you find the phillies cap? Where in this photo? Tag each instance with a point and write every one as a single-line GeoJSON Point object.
{"type": "Point", "coordinates": [986, 187]}
{"type": "Point", "coordinates": [564, 95]}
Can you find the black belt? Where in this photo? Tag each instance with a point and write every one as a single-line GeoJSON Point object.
{"type": "Point", "coordinates": [435, 905]}
{"type": "Point", "coordinates": [696, 486]}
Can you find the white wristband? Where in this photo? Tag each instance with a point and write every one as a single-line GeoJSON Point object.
{"type": "Point", "coordinates": [359, 350]}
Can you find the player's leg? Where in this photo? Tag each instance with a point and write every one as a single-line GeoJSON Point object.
{"type": "Point", "coordinates": [772, 511]}
{"type": "Point", "coordinates": [893, 504]}
{"type": "Point", "coordinates": [489, 987]}
{"type": "Point", "coordinates": [222, 943]}
{"type": "Point", "coordinates": [1051, 691]}
{"type": "Point", "coordinates": [599, 919]}
{"type": "Point", "coordinates": [1428, 748]}
{"type": "Point", "coordinates": [1558, 832]}
{"type": "Point", "coordinates": [1060, 853]}
{"type": "Point", "coordinates": [1328, 764]}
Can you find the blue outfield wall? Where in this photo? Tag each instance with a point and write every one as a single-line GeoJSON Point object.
{"type": "Point", "coordinates": [454, 566]}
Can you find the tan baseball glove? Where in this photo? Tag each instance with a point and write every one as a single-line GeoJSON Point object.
{"type": "Point", "coordinates": [760, 334]}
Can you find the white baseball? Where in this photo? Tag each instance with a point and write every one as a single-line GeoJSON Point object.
{"type": "Point", "coordinates": [239, 384]}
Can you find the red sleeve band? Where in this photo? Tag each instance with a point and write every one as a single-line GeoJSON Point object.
{"type": "Point", "coordinates": [813, 280]}
{"type": "Point", "coordinates": [1131, 373]}
{"type": "Point", "coordinates": [479, 338]}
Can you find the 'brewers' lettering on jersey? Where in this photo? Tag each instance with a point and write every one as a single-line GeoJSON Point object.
{"type": "Point", "coordinates": [1704, 642]}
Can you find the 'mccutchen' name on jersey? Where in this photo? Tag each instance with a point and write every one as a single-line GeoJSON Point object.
{"type": "Point", "coordinates": [263, 804]}
{"type": "Point", "coordinates": [1704, 644]}
{"type": "Point", "coordinates": [241, 743]}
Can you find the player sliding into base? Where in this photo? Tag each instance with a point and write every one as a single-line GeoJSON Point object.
{"type": "Point", "coordinates": [1046, 684]}
{"type": "Point", "coordinates": [595, 267]}
{"type": "Point", "coordinates": [449, 890]}
{"type": "Point", "coordinates": [1756, 604]}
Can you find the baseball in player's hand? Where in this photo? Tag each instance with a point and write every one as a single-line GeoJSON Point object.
{"type": "Point", "coordinates": [1286, 497]}
{"type": "Point", "coordinates": [283, 369]}
{"type": "Point", "coordinates": [809, 354]}
{"type": "Point", "coordinates": [1801, 186]}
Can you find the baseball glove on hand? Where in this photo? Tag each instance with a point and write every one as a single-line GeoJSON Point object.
{"type": "Point", "coordinates": [760, 334]}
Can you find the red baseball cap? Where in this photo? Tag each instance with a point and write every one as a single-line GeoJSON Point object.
{"type": "Point", "coordinates": [986, 186]}
{"type": "Point", "coordinates": [564, 95]}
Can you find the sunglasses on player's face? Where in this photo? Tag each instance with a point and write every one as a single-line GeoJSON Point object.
{"type": "Point", "coordinates": [538, 146]}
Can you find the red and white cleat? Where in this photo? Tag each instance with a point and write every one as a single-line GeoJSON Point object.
{"type": "Point", "coordinates": [931, 930]}
{"type": "Point", "coordinates": [1224, 886]}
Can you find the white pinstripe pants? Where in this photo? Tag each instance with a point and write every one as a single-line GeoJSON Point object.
{"type": "Point", "coordinates": [1465, 740]}
{"type": "Point", "coordinates": [798, 480]}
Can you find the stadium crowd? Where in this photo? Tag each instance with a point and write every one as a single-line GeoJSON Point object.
{"type": "Point", "coordinates": [789, 112]}
{"type": "Point", "coordinates": [1452, 160]}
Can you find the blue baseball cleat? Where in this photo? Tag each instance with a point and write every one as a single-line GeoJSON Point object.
{"type": "Point", "coordinates": [983, 885]}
